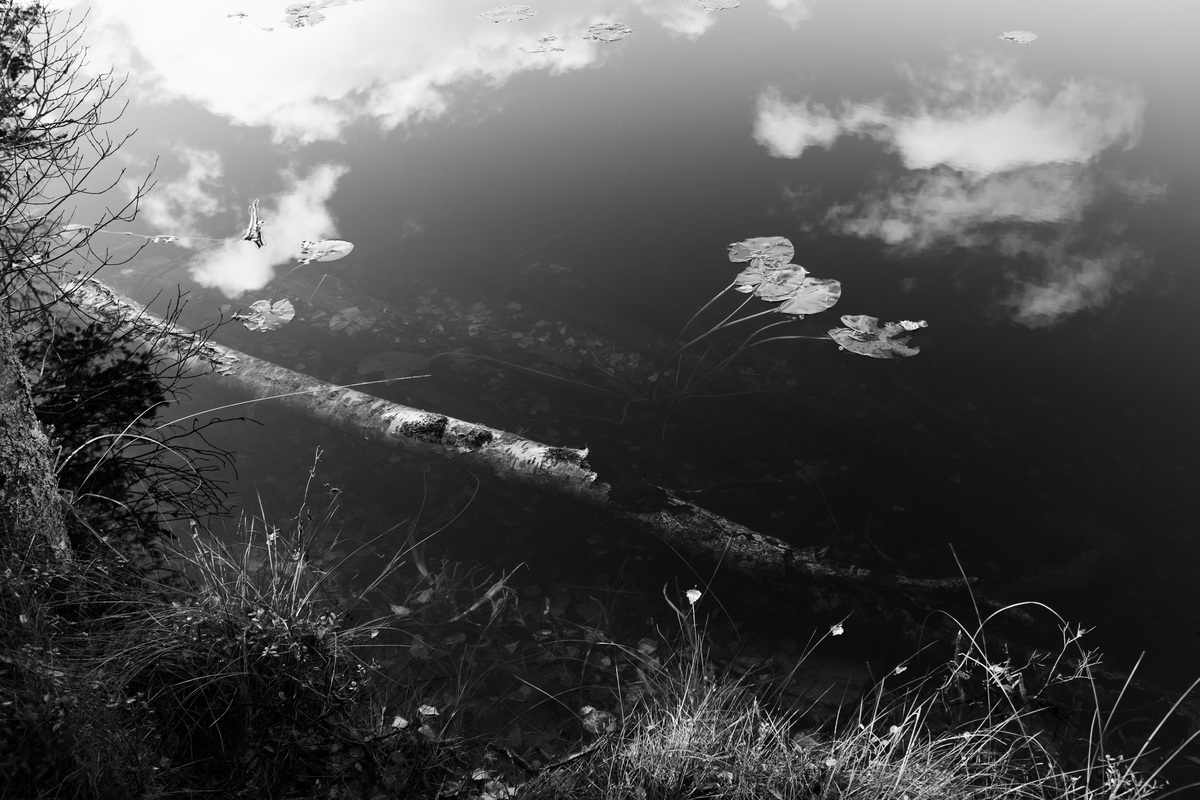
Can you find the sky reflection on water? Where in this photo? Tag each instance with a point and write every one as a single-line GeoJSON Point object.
{"type": "Point", "coordinates": [1037, 204]}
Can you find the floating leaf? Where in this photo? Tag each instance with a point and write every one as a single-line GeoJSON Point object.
{"type": "Point", "coordinates": [863, 335]}
{"type": "Point", "coordinates": [323, 250]}
{"type": "Point", "coordinates": [608, 32]}
{"type": "Point", "coordinates": [303, 15]}
{"type": "Point", "coordinates": [813, 296]}
{"type": "Point", "coordinates": [762, 250]}
{"type": "Point", "coordinates": [507, 14]}
{"type": "Point", "coordinates": [392, 363]}
{"type": "Point", "coordinates": [265, 316]}
{"type": "Point", "coordinates": [1020, 37]}
{"type": "Point", "coordinates": [779, 284]}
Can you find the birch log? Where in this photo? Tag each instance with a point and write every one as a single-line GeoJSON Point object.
{"type": "Point", "coordinates": [686, 527]}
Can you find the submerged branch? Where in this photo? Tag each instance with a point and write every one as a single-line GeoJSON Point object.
{"type": "Point", "coordinates": [688, 528]}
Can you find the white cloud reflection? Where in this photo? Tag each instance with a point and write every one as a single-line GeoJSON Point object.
{"type": "Point", "coordinates": [793, 12]}
{"type": "Point", "coordinates": [997, 159]}
{"type": "Point", "coordinates": [176, 208]}
{"type": "Point", "coordinates": [299, 212]}
{"type": "Point", "coordinates": [383, 62]}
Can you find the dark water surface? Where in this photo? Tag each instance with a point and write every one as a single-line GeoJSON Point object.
{"type": "Point", "coordinates": [1036, 204]}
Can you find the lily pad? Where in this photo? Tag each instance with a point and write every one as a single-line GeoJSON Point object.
{"type": "Point", "coordinates": [608, 32]}
{"type": "Point", "coordinates": [814, 296]}
{"type": "Point", "coordinates": [267, 316]}
{"type": "Point", "coordinates": [864, 336]}
{"type": "Point", "coordinates": [779, 284]}
{"type": "Point", "coordinates": [762, 250]}
{"type": "Point", "coordinates": [513, 13]}
{"type": "Point", "coordinates": [323, 250]}
{"type": "Point", "coordinates": [1020, 37]}
{"type": "Point", "coordinates": [392, 363]}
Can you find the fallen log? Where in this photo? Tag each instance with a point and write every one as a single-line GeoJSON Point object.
{"type": "Point", "coordinates": [659, 511]}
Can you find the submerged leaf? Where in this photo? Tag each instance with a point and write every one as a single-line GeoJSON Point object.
{"type": "Point", "coordinates": [323, 250]}
{"type": "Point", "coordinates": [608, 32]}
{"type": "Point", "coordinates": [352, 320]}
{"type": "Point", "coordinates": [392, 363]}
{"type": "Point", "coordinates": [864, 336]}
{"type": "Point", "coordinates": [267, 316]}
{"type": "Point", "coordinates": [507, 13]}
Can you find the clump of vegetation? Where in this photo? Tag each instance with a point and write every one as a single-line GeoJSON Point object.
{"type": "Point", "coordinates": [246, 677]}
{"type": "Point", "coordinates": [975, 728]}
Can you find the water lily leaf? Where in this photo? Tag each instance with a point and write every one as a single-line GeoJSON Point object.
{"type": "Point", "coordinates": [323, 250]}
{"type": "Point", "coordinates": [813, 296]}
{"type": "Point", "coordinates": [762, 250]}
{"type": "Point", "coordinates": [864, 336]}
{"type": "Point", "coordinates": [608, 32]}
{"type": "Point", "coordinates": [1020, 37]}
{"type": "Point", "coordinates": [267, 316]}
{"type": "Point", "coordinates": [507, 13]}
{"type": "Point", "coordinates": [780, 284]}
{"type": "Point", "coordinates": [392, 363]}
{"type": "Point", "coordinates": [303, 15]}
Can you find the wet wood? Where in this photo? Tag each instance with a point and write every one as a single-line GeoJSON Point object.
{"type": "Point", "coordinates": [689, 528]}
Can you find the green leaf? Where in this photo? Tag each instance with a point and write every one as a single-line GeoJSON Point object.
{"type": "Point", "coordinates": [512, 13]}
{"type": "Point", "coordinates": [864, 336]}
{"type": "Point", "coordinates": [762, 251]}
{"type": "Point", "coordinates": [608, 32]}
{"type": "Point", "coordinates": [813, 296]}
{"type": "Point", "coordinates": [324, 250]}
{"type": "Point", "coordinates": [267, 316]}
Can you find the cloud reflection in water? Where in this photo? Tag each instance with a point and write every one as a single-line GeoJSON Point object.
{"type": "Point", "coordinates": [996, 160]}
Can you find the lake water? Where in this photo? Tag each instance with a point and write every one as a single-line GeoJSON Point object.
{"type": "Point", "coordinates": [1036, 204]}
